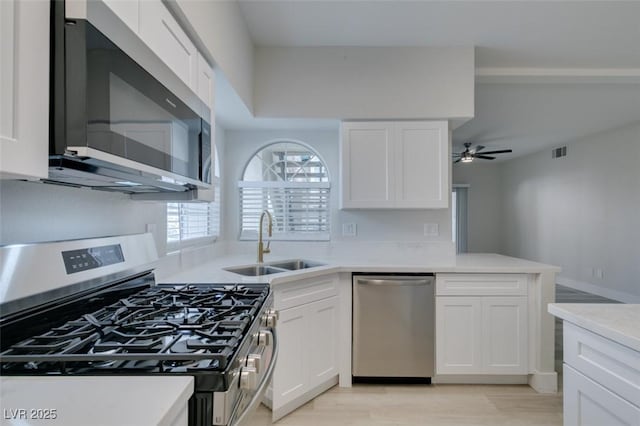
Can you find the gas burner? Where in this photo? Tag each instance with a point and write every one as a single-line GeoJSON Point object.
{"type": "Point", "coordinates": [156, 329]}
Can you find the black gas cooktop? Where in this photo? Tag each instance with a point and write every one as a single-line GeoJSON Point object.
{"type": "Point", "coordinates": [160, 329]}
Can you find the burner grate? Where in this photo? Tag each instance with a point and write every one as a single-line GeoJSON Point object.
{"type": "Point", "coordinates": [163, 329]}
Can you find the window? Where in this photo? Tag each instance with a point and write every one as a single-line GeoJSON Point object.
{"type": "Point", "coordinates": [291, 181]}
{"type": "Point", "coordinates": [459, 217]}
{"type": "Point", "coordinates": [190, 221]}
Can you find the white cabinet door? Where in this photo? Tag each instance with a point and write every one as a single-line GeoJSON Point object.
{"type": "Point", "coordinates": [422, 164]}
{"type": "Point", "coordinates": [24, 89]}
{"type": "Point", "coordinates": [162, 33]}
{"type": "Point", "coordinates": [458, 335]}
{"type": "Point", "coordinates": [206, 82]}
{"type": "Point", "coordinates": [290, 377]}
{"type": "Point", "coordinates": [504, 337]}
{"type": "Point", "coordinates": [128, 11]}
{"type": "Point", "coordinates": [308, 335]}
{"type": "Point", "coordinates": [323, 341]}
{"type": "Point", "coordinates": [586, 403]}
{"type": "Point", "coordinates": [481, 335]}
{"type": "Point", "coordinates": [366, 165]}
{"type": "Point", "coordinates": [395, 165]}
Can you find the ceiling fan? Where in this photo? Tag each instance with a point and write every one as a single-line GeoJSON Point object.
{"type": "Point", "coordinates": [469, 154]}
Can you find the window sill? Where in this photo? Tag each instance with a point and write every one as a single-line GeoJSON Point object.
{"type": "Point", "coordinates": [177, 246]}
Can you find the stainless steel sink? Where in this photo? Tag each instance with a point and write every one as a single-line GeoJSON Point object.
{"type": "Point", "coordinates": [273, 267]}
{"type": "Point", "coordinates": [254, 270]}
{"type": "Point", "coordinates": [295, 264]}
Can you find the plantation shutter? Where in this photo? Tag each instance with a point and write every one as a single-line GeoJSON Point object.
{"type": "Point", "coordinates": [186, 221]}
{"type": "Point", "coordinates": [300, 210]}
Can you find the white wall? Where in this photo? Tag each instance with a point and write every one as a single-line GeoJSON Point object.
{"type": "Point", "coordinates": [484, 205]}
{"type": "Point", "coordinates": [580, 212]}
{"type": "Point", "coordinates": [364, 82]}
{"type": "Point", "coordinates": [35, 212]}
{"type": "Point", "coordinates": [377, 225]}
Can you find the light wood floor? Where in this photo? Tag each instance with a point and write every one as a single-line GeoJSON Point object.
{"type": "Point", "coordinates": [461, 405]}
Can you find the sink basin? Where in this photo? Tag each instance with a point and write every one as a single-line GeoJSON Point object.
{"type": "Point", "coordinates": [296, 264]}
{"type": "Point", "coordinates": [254, 270]}
{"type": "Point", "coordinates": [273, 268]}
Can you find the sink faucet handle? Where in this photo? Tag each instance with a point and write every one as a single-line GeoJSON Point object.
{"type": "Point", "coordinates": [268, 248]}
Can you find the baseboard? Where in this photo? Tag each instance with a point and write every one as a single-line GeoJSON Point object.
{"type": "Point", "coordinates": [619, 296]}
{"type": "Point", "coordinates": [287, 408]}
{"type": "Point", "coordinates": [544, 382]}
{"type": "Point", "coordinates": [481, 379]}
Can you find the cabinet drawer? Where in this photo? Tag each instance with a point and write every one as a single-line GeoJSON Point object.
{"type": "Point", "coordinates": [305, 291]}
{"type": "Point", "coordinates": [162, 33]}
{"type": "Point", "coordinates": [613, 365]}
{"type": "Point", "coordinates": [481, 284]}
{"type": "Point", "coordinates": [587, 403]}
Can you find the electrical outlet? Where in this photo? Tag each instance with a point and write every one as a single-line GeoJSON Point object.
{"type": "Point", "coordinates": [599, 273]}
{"type": "Point", "coordinates": [431, 230]}
{"type": "Point", "coordinates": [349, 229]}
{"type": "Point", "coordinates": [151, 227]}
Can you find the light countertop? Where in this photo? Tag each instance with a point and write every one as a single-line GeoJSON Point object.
{"type": "Point", "coordinates": [615, 321]}
{"type": "Point", "coordinates": [213, 272]}
{"type": "Point", "coordinates": [84, 400]}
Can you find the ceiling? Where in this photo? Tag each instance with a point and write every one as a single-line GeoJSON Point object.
{"type": "Point", "coordinates": [599, 38]}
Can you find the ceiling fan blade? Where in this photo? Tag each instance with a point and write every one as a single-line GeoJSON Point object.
{"type": "Point", "coordinates": [502, 151]}
{"type": "Point", "coordinates": [479, 148]}
{"type": "Point", "coordinates": [485, 157]}
{"type": "Point", "coordinates": [458, 160]}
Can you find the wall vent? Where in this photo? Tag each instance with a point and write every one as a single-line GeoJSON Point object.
{"type": "Point", "coordinates": [559, 152]}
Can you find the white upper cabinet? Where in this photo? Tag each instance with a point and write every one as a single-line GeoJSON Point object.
{"type": "Point", "coordinates": [205, 82]}
{"type": "Point", "coordinates": [128, 11]}
{"type": "Point", "coordinates": [162, 33]}
{"type": "Point", "coordinates": [395, 165]}
{"type": "Point", "coordinates": [24, 89]}
{"type": "Point", "coordinates": [422, 164]}
{"type": "Point", "coordinates": [366, 163]}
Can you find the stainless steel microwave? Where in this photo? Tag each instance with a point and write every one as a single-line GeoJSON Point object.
{"type": "Point", "coordinates": [113, 125]}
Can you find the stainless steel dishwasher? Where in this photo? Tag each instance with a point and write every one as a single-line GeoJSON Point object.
{"type": "Point", "coordinates": [393, 326]}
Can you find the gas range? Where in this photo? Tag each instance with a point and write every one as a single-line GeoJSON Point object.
{"type": "Point", "coordinates": [122, 323]}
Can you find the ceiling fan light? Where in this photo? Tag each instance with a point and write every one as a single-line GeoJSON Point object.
{"type": "Point", "coordinates": [466, 157]}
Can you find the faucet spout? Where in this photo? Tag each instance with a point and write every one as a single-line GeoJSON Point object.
{"type": "Point", "coordinates": [261, 249]}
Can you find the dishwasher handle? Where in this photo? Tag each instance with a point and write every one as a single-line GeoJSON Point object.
{"type": "Point", "coordinates": [395, 281]}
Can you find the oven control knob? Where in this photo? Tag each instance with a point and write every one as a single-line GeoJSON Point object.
{"type": "Point", "coordinates": [264, 338]}
{"type": "Point", "coordinates": [255, 361]}
{"type": "Point", "coordinates": [271, 318]}
{"type": "Point", "coordinates": [248, 378]}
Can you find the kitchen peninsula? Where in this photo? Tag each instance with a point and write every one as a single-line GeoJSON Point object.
{"type": "Point", "coordinates": [504, 334]}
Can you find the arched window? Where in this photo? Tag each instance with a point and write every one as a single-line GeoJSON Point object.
{"type": "Point", "coordinates": [291, 181]}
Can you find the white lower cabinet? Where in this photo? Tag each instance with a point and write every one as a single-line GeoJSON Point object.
{"type": "Point", "coordinates": [308, 338]}
{"type": "Point", "coordinates": [601, 380]}
{"type": "Point", "coordinates": [587, 403]}
{"type": "Point", "coordinates": [290, 377]}
{"type": "Point", "coordinates": [458, 335]}
{"type": "Point", "coordinates": [478, 334]}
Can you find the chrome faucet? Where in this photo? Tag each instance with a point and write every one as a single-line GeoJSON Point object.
{"type": "Point", "coordinates": [261, 249]}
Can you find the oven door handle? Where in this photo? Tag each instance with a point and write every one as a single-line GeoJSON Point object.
{"type": "Point", "coordinates": [262, 387]}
